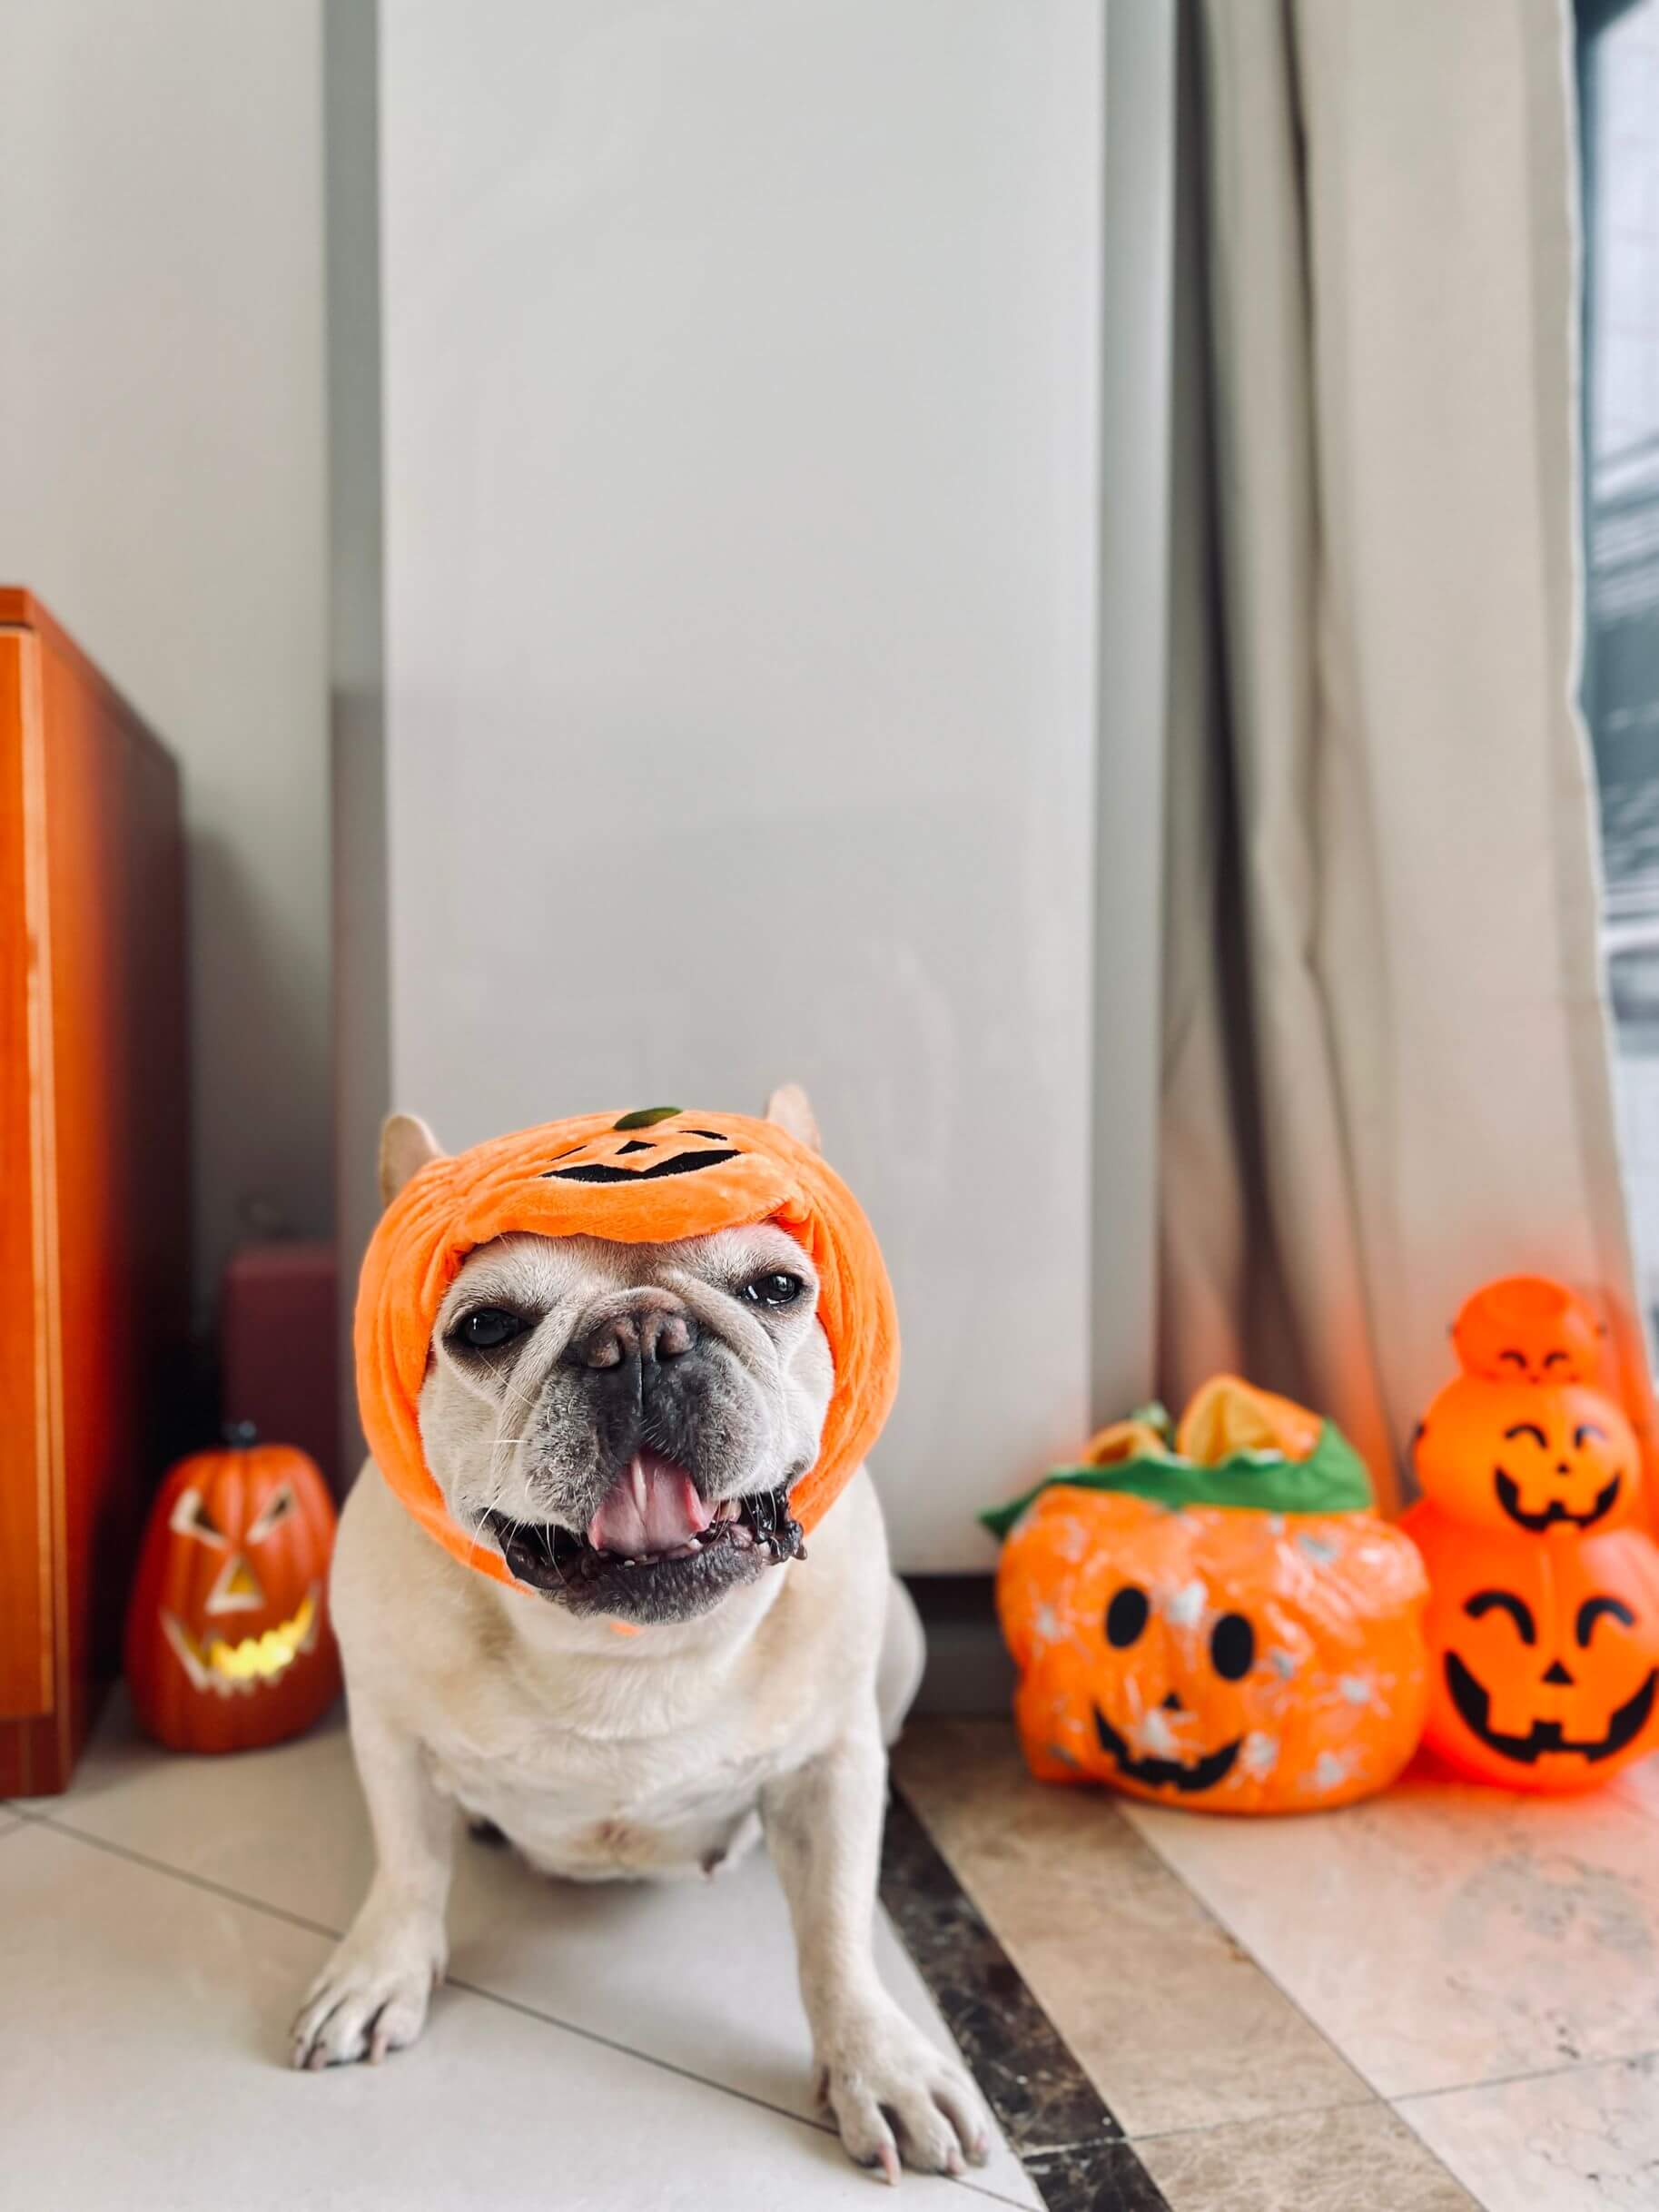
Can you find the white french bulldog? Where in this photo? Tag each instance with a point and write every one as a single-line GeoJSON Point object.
{"type": "Point", "coordinates": [760, 1696]}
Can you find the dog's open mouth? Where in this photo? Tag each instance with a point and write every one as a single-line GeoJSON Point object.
{"type": "Point", "coordinates": [653, 1544]}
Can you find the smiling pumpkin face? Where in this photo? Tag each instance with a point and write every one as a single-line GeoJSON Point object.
{"type": "Point", "coordinates": [228, 1641]}
{"type": "Point", "coordinates": [1222, 1660]}
{"type": "Point", "coordinates": [1547, 1652]}
{"type": "Point", "coordinates": [1526, 1456]}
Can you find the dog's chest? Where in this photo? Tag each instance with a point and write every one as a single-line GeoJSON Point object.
{"type": "Point", "coordinates": [583, 1798]}
{"type": "Point", "coordinates": [607, 1835]}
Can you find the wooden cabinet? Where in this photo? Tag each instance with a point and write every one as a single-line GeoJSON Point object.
{"type": "Point", "coordinates": [93, 1243]}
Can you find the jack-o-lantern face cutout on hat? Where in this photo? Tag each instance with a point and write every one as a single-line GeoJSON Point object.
{"type": "Point", "coordinates": [1527, 1329]}
{"type": "Point", "coordinates": [644, 1146]}
{"type": "Point", "coordinates": [1548, 1652]}
{"type": "Point", "coordinates": [1226, 1661]}
{"type": "Point", "coordinates": [1531, 1457]}
{"type": "Point", "coordinates": [228, 1641]}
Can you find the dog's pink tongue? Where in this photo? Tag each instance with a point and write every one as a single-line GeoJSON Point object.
{"type": "Point", "coordinates": [654, 1507]}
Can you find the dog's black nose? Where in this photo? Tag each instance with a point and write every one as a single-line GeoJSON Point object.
{"type": "Point", "coordinates": [650, 1333]}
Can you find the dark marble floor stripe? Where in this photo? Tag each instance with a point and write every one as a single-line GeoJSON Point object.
{"type": "Point", "coordinates": [1059, 2128]}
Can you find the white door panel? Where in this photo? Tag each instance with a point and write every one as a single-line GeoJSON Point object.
{"type": "Point", "coordinates": [742, 508]}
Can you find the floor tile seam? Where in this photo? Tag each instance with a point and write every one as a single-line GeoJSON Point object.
{"type": "Point", "coordinates": [1591, 2063]}
{"type": "Point", "coordinates": [56, 1825]}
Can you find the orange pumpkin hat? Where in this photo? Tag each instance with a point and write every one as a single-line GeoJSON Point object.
{"type": "Point", "coordinates": [646, 1178]}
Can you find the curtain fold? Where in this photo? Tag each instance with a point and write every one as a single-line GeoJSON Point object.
{"type": "Point", "coordinates": [1385, 1068]}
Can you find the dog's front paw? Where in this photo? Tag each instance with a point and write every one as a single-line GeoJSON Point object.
{"type": "Point", "coordinates": [895, 2094]}
{"type": "Point", "coordinates": [371, 1997]}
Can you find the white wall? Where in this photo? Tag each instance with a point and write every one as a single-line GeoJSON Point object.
{"type": "Point", "coordinates": [742, 506]}
{"type": "Point", "coordinates": [161, 485]}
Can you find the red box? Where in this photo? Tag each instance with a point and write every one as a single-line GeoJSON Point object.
{"type": "Point", "coordinates": [279, 1348]}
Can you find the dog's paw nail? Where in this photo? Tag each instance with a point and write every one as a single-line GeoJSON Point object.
{"type": "Point", "coordinates": [979, 2149]}
{"type": "Point", "coordinates": [316, 2059]}
{"type": "Point", "coordinates": [890, 2164]}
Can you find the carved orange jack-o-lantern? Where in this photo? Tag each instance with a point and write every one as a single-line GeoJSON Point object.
{"type": "Point", "coordinates": [1546, 1651]}
{"type": "Point", "coordinates": [1527, 1329]}
{"type": "Point", "coordinates": [228, 1641]}
{"type": "Point", "coordinates": [1180, 1637]}
{"type": "Point", "coordinates": [1527, 1456]}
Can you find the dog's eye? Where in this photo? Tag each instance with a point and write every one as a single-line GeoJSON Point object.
{"type": "Point", "coordinates": [779, 1290]}
{"type": "Point", "coordinates": [488, 1327]}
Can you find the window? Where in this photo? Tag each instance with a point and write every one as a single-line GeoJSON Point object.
{"type": "Point", "coordinates": [1618, 66]}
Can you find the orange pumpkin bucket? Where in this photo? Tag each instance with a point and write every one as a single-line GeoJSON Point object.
{"type": "Point", "coordinates": [1544, 1620]}
{"type": "Point", "coordinates": [1547, 1649]}
{"type": "Point", "coordinates": [1235, 1632]}
{"type": "Point", "coordinates": [650, 1177]}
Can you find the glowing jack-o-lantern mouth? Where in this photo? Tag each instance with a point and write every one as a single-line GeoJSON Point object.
{"type": "Point", "coordinates": [212, 1663]}
{"type": "Point", "coordinates": [1509, 1498]}
{"type": "Point", "coordinates": [1474, 1710]}
{"type": "Point", "coordinates": [1167, 1774]}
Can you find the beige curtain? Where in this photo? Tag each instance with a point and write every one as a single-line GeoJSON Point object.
{"type": "Point", "coordinates": [1386, 1070]}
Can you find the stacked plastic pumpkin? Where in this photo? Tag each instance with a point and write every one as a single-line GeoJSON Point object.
{"type": "Point", "coordinates": [1544, 1616]}
{"type": "Point", "coordinates": [1214, 1618]}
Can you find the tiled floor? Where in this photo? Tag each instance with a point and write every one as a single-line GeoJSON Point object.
{"type": "Point", "coordinates": [621, 2047]}
{"type": "Point", "coordinates": [1441, 1999]}
{"type": "Point", "coordinates": [1445, 1997]}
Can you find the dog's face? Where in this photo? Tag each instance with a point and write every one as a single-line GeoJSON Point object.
{"type": "Point", "coordinates": [625, 1422]}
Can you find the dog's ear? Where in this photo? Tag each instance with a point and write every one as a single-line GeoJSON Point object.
{"type": "Point", "coordinates": [406, 1145]}
{"type": "Point", "coordinates": [791, 1109]}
